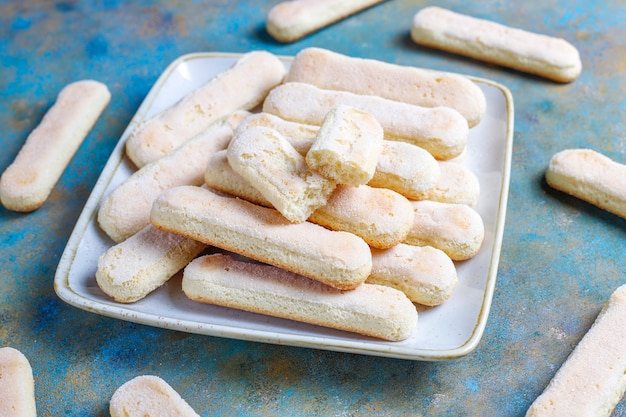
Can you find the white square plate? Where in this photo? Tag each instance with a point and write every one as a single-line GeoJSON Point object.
{"type": "Point", "coordinates": [448, 331]}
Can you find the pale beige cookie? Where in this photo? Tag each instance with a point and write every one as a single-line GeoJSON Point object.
{"type": "Point", "coordinates": [26, 184]}
{"type": "Point", "coordinates": [148, 396]}
{"type": "Point", "coordinates": [426, 275]}
{"type": "Point", "coordinates": [402, 167]}
{"type": "Point", "coordinates": [333, 71]}
{"type": "Point", "coordinates": [379, 216]}
{"type": "Point", "coordinates": [265, 159]}
{"type": "Point", "coordinates": [440, 130]}
{"type": "Point", "coordinates": [129, 271]}
{"type": "Point", "coordinates": [590, 176]}
{"type": "Point", "coordinates": [339, 259]}
{"type": "Point", "coordinates": [300, 135]}
{"type": "Point", "coordinates": [546, 56]}
{"type": "Point", "coordinates": [241, 87]}
{"type": "Point", "coordinates": [371, 310]}
{"type": "Point", "coordinates": [593, 378]}
{"type": "Point", "coordinates": [221, 177]}
{"type": "Point", "coordinates": [406, 169]}
{"type": "Point", "coordinates": [126, 210]}
{"type": "Point", "coordinates": [289, 21]}
{"type": "Point", "coordinates": [456, 185]}
{"type": "Point", "coordinates": [460, 159]}
{"type": "Point", "coordinates": [456, 229]}
{"type": "Point", "coordinates": [17, 386]}
{"type": "Point", "coordinates": [347, 146]}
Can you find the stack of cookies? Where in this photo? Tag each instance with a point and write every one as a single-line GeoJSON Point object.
{"type": "Point", "coordinates": [328, 196]}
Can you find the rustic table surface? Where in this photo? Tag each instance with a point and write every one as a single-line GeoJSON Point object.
{"type": "Point", "coordinates": [561, 258]}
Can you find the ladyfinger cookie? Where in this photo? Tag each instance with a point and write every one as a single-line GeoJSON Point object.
{"type": "Point", "coordinates": [546, 56]}
{"type": "Point", "coordinates": [590, 176]}
{"type": "Point", "coordinates": [456, 229]}
{"type": "Point", "coordinates": [370, 310]}
{"type": "Point", "coordinates": [333, 71]}
{"type": "Point", "coordinates": [241, 87]}
{"type": "Point", "coordinates": [289, 21]}
{"type": "Point", "coordinates": [379, 216]}
{"type": "Point", "coordinates": [456, 185]}
{"type": "Point", "coordinates": [440, 130]}
{"type": "Point", "coordinates": [267, 160]}
{"type": "Point", "coordinates": [17, 386]}
{"type": "Point", "coordinates": [221, 177]}
{"type": "Point", "coordinates": [132, 269]}
{"type": "Point", "coordinates": [339, 259]}
{"type": "Point", "coordinates": [425, 274]}
{"type": "Point", "coordinates": [406, 169]}
{"type": "Point", "coordinates": [347, 146]}
{"type": "Point", "coordinates": [402, 167]}
{"type": "Point", "coordinates": [300, 135]}
{"type": "Point", "coordinates": [26, 184]}
{"type": "Point", "coordinates": [126, 210]}
{"type": "Point", "coordinates": [593, 378]}
{"type": "Point", "coordinates": [148, 396]}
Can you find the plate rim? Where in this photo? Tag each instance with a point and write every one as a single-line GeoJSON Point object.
{"type": "Point", "coordinates": [122, 312]}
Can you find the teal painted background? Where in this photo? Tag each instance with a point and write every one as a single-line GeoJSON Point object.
{"type": "Point", "coordinates": [561, 258]}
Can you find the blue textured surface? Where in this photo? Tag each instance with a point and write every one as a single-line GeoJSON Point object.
{"type": "Point", "coordinates": [561, 258]}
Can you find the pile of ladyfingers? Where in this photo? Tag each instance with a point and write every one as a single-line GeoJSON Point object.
{"type": "Point", "coordinates": [334, 191]}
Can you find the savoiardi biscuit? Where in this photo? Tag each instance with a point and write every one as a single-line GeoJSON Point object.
{"type": "Point", "coordinates": [426, 88]}
{"type": "Point", "coordinates": [338, 259]}
{"type": "Point", "coordinates": [485, 40]}
{"type": "Point", "coordinates": [372, 310]}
